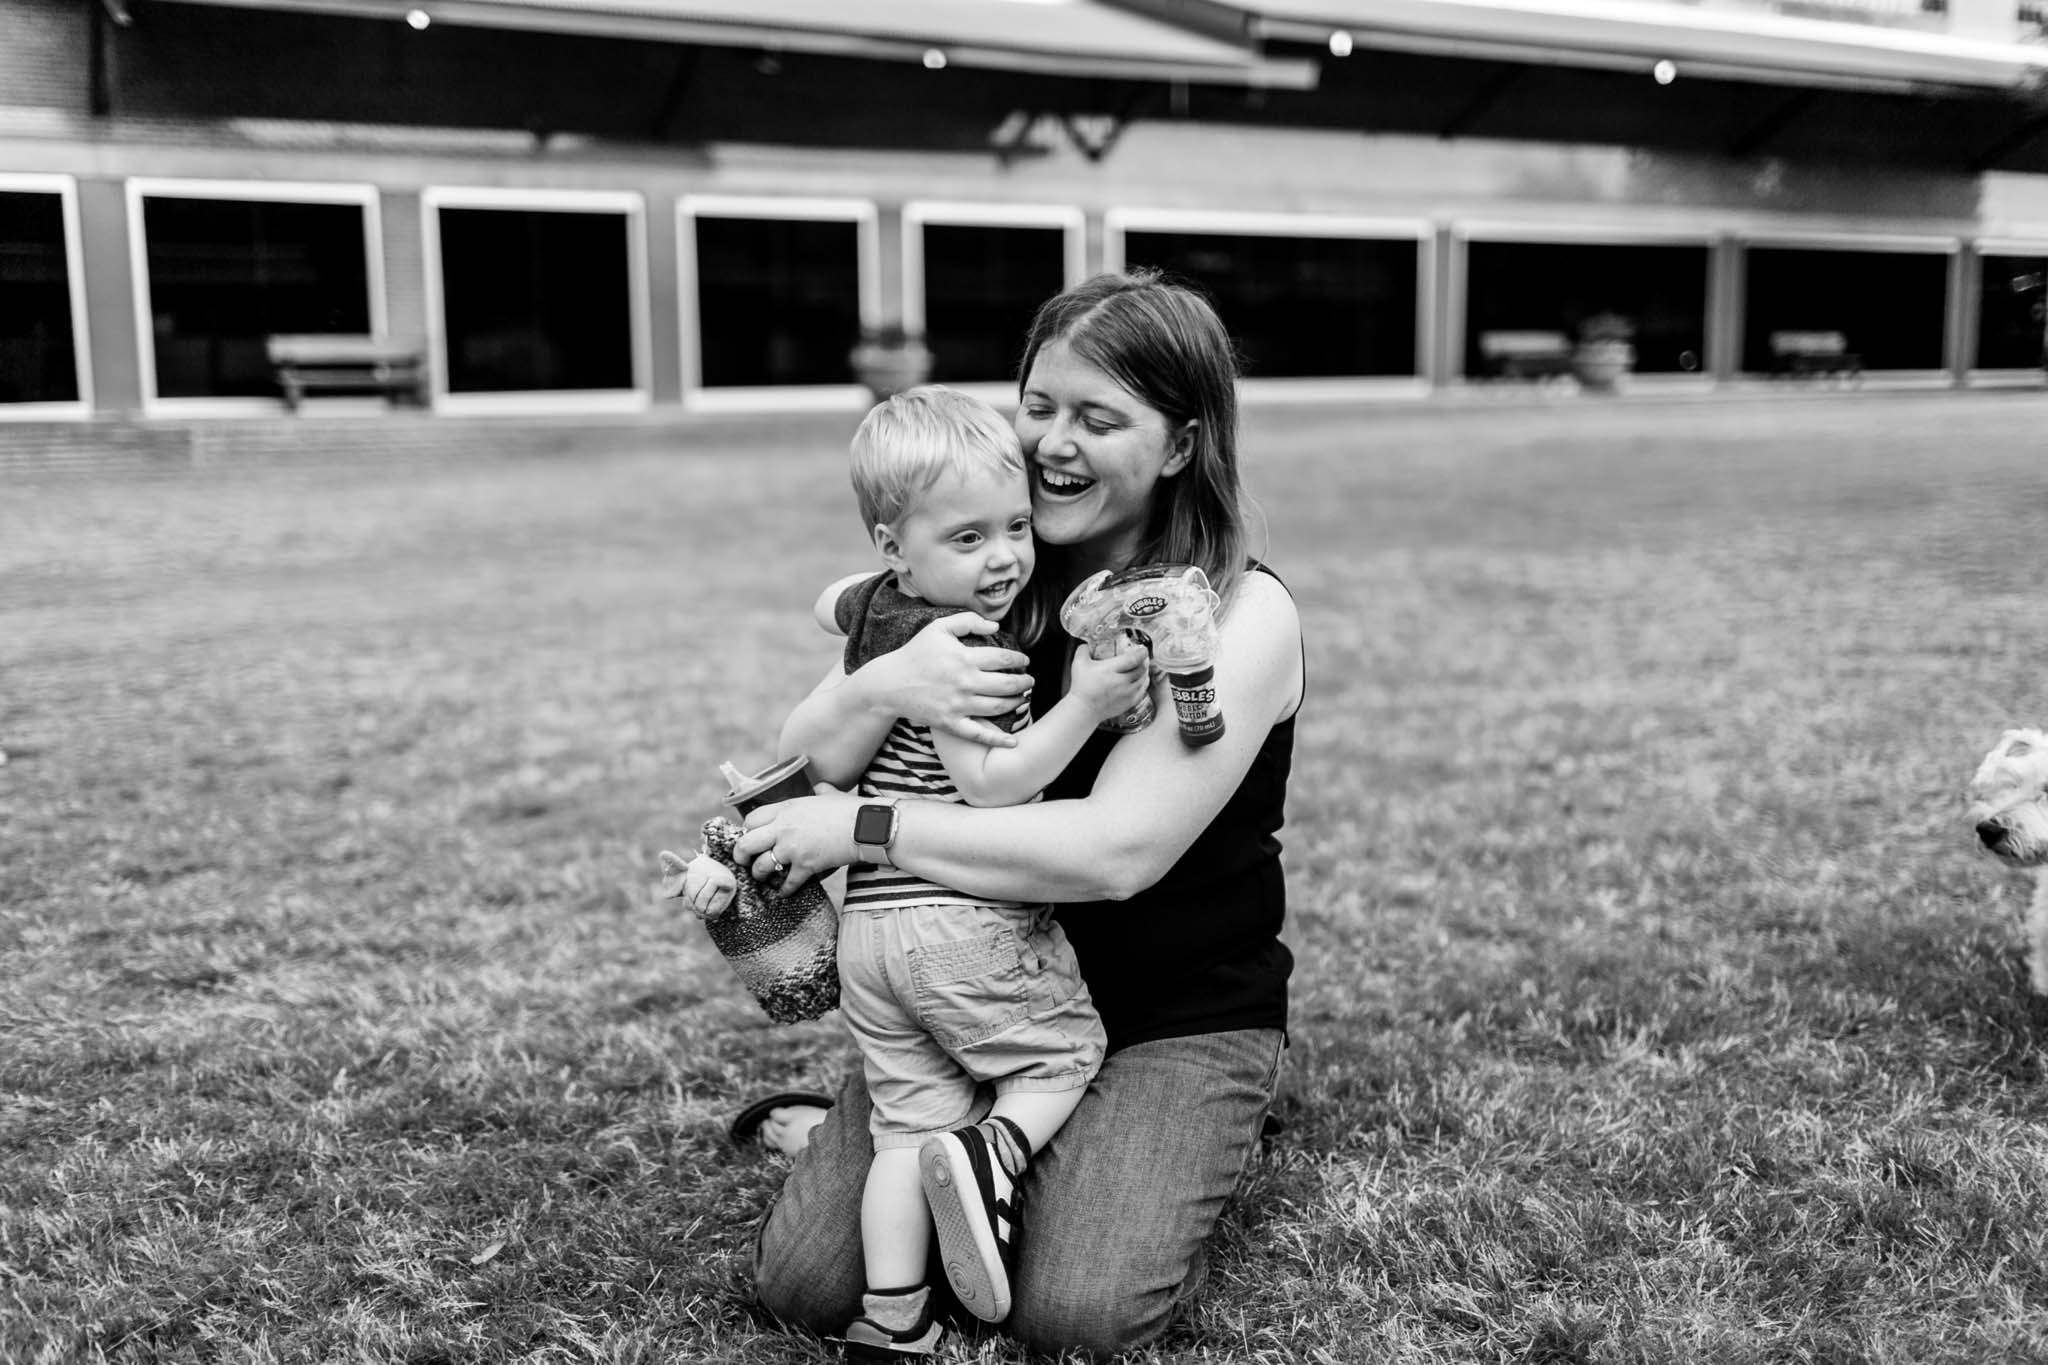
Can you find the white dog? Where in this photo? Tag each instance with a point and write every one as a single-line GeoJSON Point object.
{"type": "Point", "coordinates": [2009, 808]}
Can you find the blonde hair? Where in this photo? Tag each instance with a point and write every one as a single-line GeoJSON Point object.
{"type": "Point", "coordinates": [907, 442]}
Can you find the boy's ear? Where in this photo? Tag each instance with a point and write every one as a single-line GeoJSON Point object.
{"type": "Point", "coordinates": [887, 545]}
{"type": "Point", "coordinates": [1183, 450]}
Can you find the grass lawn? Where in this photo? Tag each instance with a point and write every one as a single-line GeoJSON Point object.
{"type": "Point", "coordinates": [1652, 1003]}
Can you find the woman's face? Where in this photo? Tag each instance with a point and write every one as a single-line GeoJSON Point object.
{"type": "Point", "coordinates": [1097, 455]}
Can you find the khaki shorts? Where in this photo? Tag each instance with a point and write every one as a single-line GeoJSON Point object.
{"type": "Point", "coordinates": [944, 999]}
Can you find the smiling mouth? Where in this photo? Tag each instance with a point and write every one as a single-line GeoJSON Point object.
{"type": "Point", "coordinates": [1062, 485]}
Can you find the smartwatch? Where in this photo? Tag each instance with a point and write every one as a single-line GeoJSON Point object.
{"type": "Point", "coordinates": [874, 829]}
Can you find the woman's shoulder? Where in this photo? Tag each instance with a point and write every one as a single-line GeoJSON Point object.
{"type": "Point", "coordinates": [1263, 623]}
{"type": "Point", "coordinates": [1262, 594]}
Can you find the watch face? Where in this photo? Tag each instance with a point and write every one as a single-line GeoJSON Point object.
{"type": "Point", "coordinates": [871, 825]}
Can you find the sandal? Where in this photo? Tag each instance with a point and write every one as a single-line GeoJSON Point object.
{"type": "Point", "coordinates": [746, 1124]}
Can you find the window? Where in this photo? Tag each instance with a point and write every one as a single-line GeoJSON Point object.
{"type": "Point", "coordinates": [39, 346]}
{"type": "Point", "coordinates": [536, 298]}
{"type": "Point", "coordinates": [1890, 306]}
{"type": "Point", "coordinates": [1312, 303]}
{"type": "Point", "coordinates": [2012, 311]}
{"type": "Point", "coordinates": [781, 289]}
{"type": "Point", "coordinates": [1531, 286]}
{"type": "Point", "coordinates": [221, 274]}
{"type": "Point", "coordinates": [978, 275]}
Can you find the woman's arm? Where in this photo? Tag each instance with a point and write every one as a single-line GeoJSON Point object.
{"type": "Point", "coordinates": [1153, 798]}
{"type": "Point", "coordinates": [936, 680]}
{"type": "Point", "coordinates": [838, 752]}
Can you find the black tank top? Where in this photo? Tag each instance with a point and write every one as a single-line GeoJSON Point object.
{"type": "Point", "coordinates": [1199, 951]}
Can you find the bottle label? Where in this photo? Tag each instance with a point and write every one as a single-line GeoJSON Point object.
{"type": "Point", "coordinates": [1194, 705]}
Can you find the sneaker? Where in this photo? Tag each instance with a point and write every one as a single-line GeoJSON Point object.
{"type": "Point", "coordinates": [974, 1204]}
{"type": "Point", "coordinates": [870, 1343]}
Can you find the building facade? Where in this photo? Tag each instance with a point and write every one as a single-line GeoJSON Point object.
{"type": "Point", "coordinates": [577, 208]}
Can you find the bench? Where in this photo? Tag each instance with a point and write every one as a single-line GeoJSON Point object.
{"type": "Point", "coordinates": [1814, 355]}
{"type": "Point", "coordinates": [347, 364]}
{"type": "Point", "coordinates": [1526, 355]}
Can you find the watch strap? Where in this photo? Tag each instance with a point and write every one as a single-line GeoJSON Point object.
{"type": "Point", "coordinates": [877, 853]}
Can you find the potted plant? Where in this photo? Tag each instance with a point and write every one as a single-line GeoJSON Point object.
{"type": "Point", "coordinates": [890, 358]}
{"type": "Point", "coordinates": [1606, 351]}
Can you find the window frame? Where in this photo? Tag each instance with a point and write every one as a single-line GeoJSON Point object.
{"type": "Point", "coordinates": [1994, 376]}
{"type": "Point", "coordinates": [65, 187]}
{"type": "Point", "coordinates": [367, 197]}
{"type": "Point", "coordinates": [1117, 222]}
{"type": "Point", "coordinates": [1904, 244]}
{"type": "Point", "coordinates": [1551, 232]}
{"type": "Point", "coordinates": [627, 204]}
{"type": "Point", "coordinates": [864, 214]}
{"type": "Point", "coordinates": [918, 214]}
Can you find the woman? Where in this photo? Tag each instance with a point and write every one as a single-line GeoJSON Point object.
{"type": "Point", "coordinates": [1159, 857]}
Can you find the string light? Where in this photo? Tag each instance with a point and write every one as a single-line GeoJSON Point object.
{"type": "Point", "coordinates": [1340, 44]}
{"type": "Point", "coordinates": [934, 59]}
{"type": "Point", "coordinates": [1665, 72]}
{"type": "Point", "coordinates": [418, 19]}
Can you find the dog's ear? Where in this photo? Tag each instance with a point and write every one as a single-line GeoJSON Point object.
{"type": "Point", "coordinates": [2016, 747]}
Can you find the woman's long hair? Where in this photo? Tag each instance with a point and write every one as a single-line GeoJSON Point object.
{"type": "Point", "coordinates": [1161, 341]}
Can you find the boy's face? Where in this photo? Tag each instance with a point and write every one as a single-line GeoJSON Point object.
{"type": "Point", "coordinates": [967, 542]}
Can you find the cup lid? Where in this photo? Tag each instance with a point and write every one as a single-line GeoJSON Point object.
{"type": "Point", "coordinates": [744, 787]}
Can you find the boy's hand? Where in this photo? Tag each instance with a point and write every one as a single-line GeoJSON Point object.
{"type": "Point", "coordinates": [703, 883]}
{"type": "Point", "coordinates": [1109, 687]}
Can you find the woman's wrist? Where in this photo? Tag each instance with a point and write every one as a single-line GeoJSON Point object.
{"type": "Point", "coordinates": [872, 694]}
{"type": "Point", "coordinates": [896, 841]}
{"type": "Point", "coordinates": [846, 851]}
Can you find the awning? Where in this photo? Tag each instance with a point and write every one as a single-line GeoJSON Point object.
{"type": "Point", "coordinates": [1051, 37]}
{"type": "Point", "coordinates": [1719, 43]}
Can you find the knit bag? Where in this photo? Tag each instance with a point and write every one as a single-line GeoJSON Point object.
{"type": "Point", "coordinates": [785, 948]}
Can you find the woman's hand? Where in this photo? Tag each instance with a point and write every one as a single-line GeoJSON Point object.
{"type": "Point", "coordinates": [944, 680]}
{"type": "Point", "coordinates": [942, 677]}
{"type": "Point", "coordinates": [806, 838]}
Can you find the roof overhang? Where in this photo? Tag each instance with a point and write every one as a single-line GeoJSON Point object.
{"type": "Point", "coordinates": [1048, 37]}
{"type": "Point", "coordinates": [1716, 43]}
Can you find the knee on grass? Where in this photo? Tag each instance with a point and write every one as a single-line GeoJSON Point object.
{"type": "Point", "coordinates": [1095, 1319]}
{"type": "Point", "coordinates": [802, 1306]}
{"type": "Point", "coordinates": [797, 1292]}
